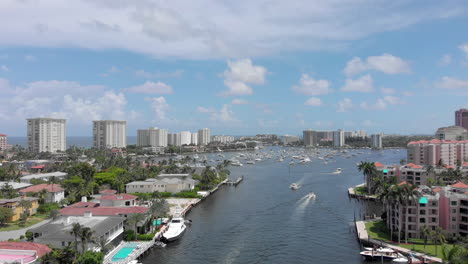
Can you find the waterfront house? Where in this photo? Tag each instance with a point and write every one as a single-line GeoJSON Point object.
{"type": "Point", "coordinates": [172, 183]}
{"type": "Point", "coordinates": [15, 205]}
{"type": "Point", "coordinates": [122, 199]}
{"type": "Point", "coordinates": [58, 232]}
{"type": "Point", "coordinates": [55, 192]}
{"type": "Point", "coordinates": [43, 176]}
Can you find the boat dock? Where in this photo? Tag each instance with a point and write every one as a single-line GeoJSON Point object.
{"type": "Point", "coordinates": [236, 182]}
{"type": "Point", "coordinates": [352, 194]}
{"type": "Point", "coordinates": [364, 238]}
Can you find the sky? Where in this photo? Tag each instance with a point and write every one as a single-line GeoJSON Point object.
{"type": "Point", "coordinates": [238, 67]}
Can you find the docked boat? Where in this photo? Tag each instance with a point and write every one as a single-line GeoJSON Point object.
{"type": "Point", "coordinates": [337, 171]}
{"type": "Point", "coordinates": [407, 259]}
{"type": "Point", "coordinates": [250, 162]}
{"type": "Point", "coordinates": [294, 186]}
{"type": "Point", "coordinates": [176, 229]}
{"type": "Point", "coordinates": [379, 253]}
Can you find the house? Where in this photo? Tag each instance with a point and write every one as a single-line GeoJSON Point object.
{"type": "Point", "coordinates": [22, 252]}
{"type": "Point", "coordinates": [55, 192]}
{"type": "Point", "coordinates": [58, 232]}
{"type": "Point", "coordinates": [15, 205]}
{"type": "Point", "coordinates": [122, 199]}
{"type": "Point", "coordinates": [14, 185]}
{"type": "Point", "coordinates": [173, 183]}
{"type": "Point", "coordinates": [43, 176]}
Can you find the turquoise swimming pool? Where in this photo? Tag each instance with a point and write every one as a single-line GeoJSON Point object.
{"type": "Point", "coordinates": [124, 252]}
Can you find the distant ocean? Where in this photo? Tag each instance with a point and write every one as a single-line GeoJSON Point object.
{"type": "Point", "coordinates": [82, 142]}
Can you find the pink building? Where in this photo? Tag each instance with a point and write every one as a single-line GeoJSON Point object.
{"type": "Point", "coordinates": [3, 142]}
{"type": "Point", "coordinates": [461, 118]}
{"type": "Point", "coordinates": [450, 152]}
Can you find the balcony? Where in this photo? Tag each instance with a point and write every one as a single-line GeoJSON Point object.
{"type": "Point", "coordinates": [464, 211]}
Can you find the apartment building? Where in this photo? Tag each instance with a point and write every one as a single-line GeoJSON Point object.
{"type": "Point", "coordinates": [109, 134]}
{"type": "Point", "coordinates": [204, 136]}
{"type": "Point", "coordinates": [3, 142]}
{"type": "Point", "coordinates": [46, 135]}
{"type": "Point", "coordinates": [310, 138]}
{"type": "Point", "coordinates": [376, 141]}
{"type": "Point", "coordinates": [338, 138]}
{"type": "Point", "coordinates": [447, 152]}
{"type": "Point", "coordinates": [152, 137]}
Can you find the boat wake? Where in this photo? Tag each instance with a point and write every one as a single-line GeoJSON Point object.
{"type": "Point", "coordinates": [305, 201]}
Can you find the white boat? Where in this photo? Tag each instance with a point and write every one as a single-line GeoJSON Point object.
{"type": "Point", "coordinates": [134, 262]}
{"type": "Point", "coordinates": [175, 230]}
{"type": "Point", "coordinates": [291, 163]}
{"type": "Point", "coordinates": [250, 162]}
{"type": "Point", "coordinates": [294, 186]}
{"type": "Point", "coordinates": [236, 163]}
{"type": "Point", "coordinates": [379, 253]}
{"type": "Point", "coordinates": [337, 171]}
{"type": "Point", "coordinates": [311, 196]}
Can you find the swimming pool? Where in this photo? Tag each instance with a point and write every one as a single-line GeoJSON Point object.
{"type": "Point", "coordinates": [124, 252]}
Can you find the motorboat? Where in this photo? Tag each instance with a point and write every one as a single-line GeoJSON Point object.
{"type": "Point", "coordinates": [411, 258]}
{"type": "Point", "coordinates": [176, 229]}
{"type": "Point", "coordinates": [379, 253]}
{"type": "Point", "coordinates": [291, 163]}
{"type": "Point", "coordinates": [294, 186]}
{"type": "Point", "coordinates": [311, 196]}
{"type": "Point", "coordinates": [337, 171]}
{"type": "Point", "coordinates": [250, 162]}
{"type": "Point", "coordinates": [160, 244]}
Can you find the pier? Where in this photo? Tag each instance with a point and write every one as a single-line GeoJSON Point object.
{"type": "Point", "coordinates": [236, 182]}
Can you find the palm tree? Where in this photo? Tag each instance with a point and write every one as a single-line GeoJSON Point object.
{"type": "Point", "coordinates": [134, 219]}
{"type": "Point", "coordinates": [426, 232]}
{"type": "Point", "coordinates": [86, 235]}
{"type": "Point", "coordinates": [452, 254]}
{"type": "Point", "coordinates": [76, 231]}
{"type": "Point", "coordinates": [410, 195]}
{"type": "Point", "coordinates": [42, 195]}
{"type": "Point", "coordinates": [368, 169]}
{"type": "Point", "coordinates": [438, 237]}
{"type": "Point", "coordinates": [26, 205]}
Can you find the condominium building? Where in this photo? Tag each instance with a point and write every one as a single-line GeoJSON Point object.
{"type": "Point", "coordinates": [289, 139]}
{"type": "Point", "coordinates": [173, 139]}
{"type": "Point", "coordinates": [153, 137]}
{"type": "Point", "coordinates": [447, 152]}
{"type": "Point", "coordinates": [376, 141]}
{"type": "Point", "coordinates": [185, 138]}
{"type": "Point", "coordinates": [204, 136]}
{"type": "Point", "coordinates": [452, 133]}
{"type": "Point", "coordinates": [338, 138]}
{"type": "Point", "coordinates": [46, 135]}
{"type": "Point", "coordinates": [222, 139]}
{"type": "Point", "coordinates": [194, 138]}
{"type": "Point", "coordinates": [109, 134]}
{"type": "Point", "coordinates": [461, 118]}
{"type": "Point", "coordinates": [3, 142]}
{"type": "Point", "coordinates": [310, 138]}
{"type": "Point", "coordinates": [324, 135]}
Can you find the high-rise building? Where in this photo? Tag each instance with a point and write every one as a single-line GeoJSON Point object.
{"type": "Point", "coordinates": [109, 134]}
{"type": "Point", "coordinates": [461, 118]}
{"type": "Point", "coordinates": [173, 139]}
{"type": "Point", "coordinates": [338, 138]}
{"type": "Point", "coordinates": [376, 141]}
{"type": "Point", "coordinates": [153, 136]}
{"type": "Point", "coordinates": [452, 133]}
{"type": "Point", "coordinates": [194, 140]}
{"type": "Point", "coordinates": [310, 138]}
{"type": "Point", "coordinates": [204, 136]}
{"type": "Point", "coordinates": [324, 135]}
{"type": "Point", "coordinates": [448, 152]}
{"type": "Point", "coordinates": [46, 135]}
{"type": "Point", "coordinates": [3, 142]}
{"type": "Point", "coordinates": [185, 138]}
{"type": "Point", "coordinates": [289, 139]}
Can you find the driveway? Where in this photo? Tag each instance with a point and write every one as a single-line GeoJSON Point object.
{"type": "Point", "coordinates": [15, 234]}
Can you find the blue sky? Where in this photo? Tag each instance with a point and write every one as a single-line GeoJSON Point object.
{"type": "Point", "coordinates": [236, 67]}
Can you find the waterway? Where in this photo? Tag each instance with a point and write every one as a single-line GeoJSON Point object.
{"type": "Point", "coordinates": [263, 221]}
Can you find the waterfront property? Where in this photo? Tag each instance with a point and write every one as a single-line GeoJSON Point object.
{"type": "Point", "coordinates": [55, 192]}
{"type": "Point", "coordinates": [122, 199]}
{"type": "Point", "coordinates": [437, 152]}
{"type": "Point", "coordinates": [46, 135]}
{"type": "Point", "coordinates": [16, 205]}
{"type": "Point", "coordinates": [173, 183]}
{"type": "Point", "coordinates": [58, 232]}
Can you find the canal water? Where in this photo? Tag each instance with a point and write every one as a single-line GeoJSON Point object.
{"type": "Point", "coordinates": [263, 221]}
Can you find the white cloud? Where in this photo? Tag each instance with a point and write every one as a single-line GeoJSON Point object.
{"type": "Point", "coordinates": [368, 123]}
{"type": "Point", "coordinates": [151, 88]}
{"type": "Point", "coordinates": [239, 101]}
{"type": "Point", "coordinates": [239, 74]}
{"type": "Point", "coordinates": [445, 60]}
{"type": "Point", "coordinates": [382, 103]}
{"type": "Point", "coordinates": [158, 74]}
{"type": "Point", "coordinates": [364, 84]}
{"type": "Point", "coordinates": [4, 68]}
{"type": "Point", "coordinates": [393, 100]}
{"type": "Point", "coordinates": [345, 105]}
{"type": "Point", "coordinates": [209, 28]}
{"type": "Point", "coordinates": [30, 58]}
{"type": "Point", "coordinates": [464, 47]}
{"type": "Point", "coordinates": [225, 114]}
{"type": "Point", "coordinates": [110, 71]}
{"type": "Point", "coordinates": [451, 83]}
{"type": "Point", "coordinates": [159, 106]}
{"type": "Point", "coordinates": [387, 90]}
{"type": "Point", "coordinates": [406, 93]}
{"type": "Point", "coordinates": [385, 63]}
{"type": "Point", "coordinates": [310, 86]}
{"type": "Point", "coordinates": [314, 101]}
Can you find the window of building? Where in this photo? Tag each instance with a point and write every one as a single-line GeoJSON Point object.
{"type": "Point", "coordinates": [454, 211]}
{"type": "Point", "coordinates": [453, 203]}
{"type": "Point", "coordinates": [433, 220]}
{"type": "Point", "coordinates": [422, 212]}
{"type": "Point", "coordinates": [433, 203]}
{"type": "Point", "coordinates": [422, 220]}
{"type": "Point", "coordinates": [454, 219]}
{"type": "Point", "coordinates": [433, 211]}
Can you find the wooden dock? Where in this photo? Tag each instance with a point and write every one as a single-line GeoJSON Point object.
{"type": "Point", "coordinates": [236, 182]}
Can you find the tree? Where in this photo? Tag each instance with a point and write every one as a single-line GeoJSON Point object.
{"type": "Point", "coordinates": [76, 231]}
{"type": "Point", "coordinates": [134, 219]}
{"type": "Point", "coordinates": [26, 205]}
{"type": "Point", "coordinates": [91, 257]}
{"type": "Point", "coordinates": [453, 254]}
{"type": "Point", "coordinates": [103, 245]}
{"type": "Point", "coordinates": [369, 170]}
{"type": "Point", "coordinates": [437, 236]}
{"type": "Point", "coordinates": [5, 214]}
{"type": "Point", "coordinates": [86, 235]}
{"type": "Point", "coordinates": [402, 162]}
{"type": "Point", "coordinates": [8, 191]}
{"type": "Point", "coordinates": [426, 232]}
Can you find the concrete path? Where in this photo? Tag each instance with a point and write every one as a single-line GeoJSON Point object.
{"type": "Point", "coordinates": [15, 234]}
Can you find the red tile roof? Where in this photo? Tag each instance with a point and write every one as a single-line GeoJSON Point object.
{"type": "Point", "coordinates": [465, 164]}
{"type": "Point", "coordinates": [108, 192]}
{"type": "Point", "coordinates": [3, 135]}
{"type": "Point", "coordinates": [84, 204]}
{"type": "Point", "coordinates": [378, 164]}
{"type": "Point", "coordinates": [119, 197]}
{"type": "Point", "coordinates": [436, 189]}
{"type": "Point", "coordinates": [37, 188]}
{"type": "Point", "coordinates": [39, 248]}
{"type": "Point", "coordinates": [402, 183]}
{"type": "Point", "coordinates": [414, 166]}
{"type": "Point", "coordinates": [38, 167]}
{"type": "Point", "coordinates": [104, 210]}
{"type": "Point", "coordinates": [459, 185]}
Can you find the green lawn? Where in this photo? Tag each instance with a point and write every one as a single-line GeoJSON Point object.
{"type": "Point", "coordinates": [378, 230]}
{"type": "Point", "coordinates": [34, 219]}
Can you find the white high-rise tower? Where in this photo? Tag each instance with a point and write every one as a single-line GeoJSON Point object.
{"type": "Point", "coordinates": [46, 135]}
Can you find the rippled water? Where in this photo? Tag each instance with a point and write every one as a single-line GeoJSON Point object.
{"type": "Point", "coordinates": [263, 221]}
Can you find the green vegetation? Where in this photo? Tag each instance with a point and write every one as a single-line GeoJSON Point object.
{"type": "Point", "coordinates": [47, 208]}
{"type": "Point", "coordinates": [5, 213]}
{"type": "Point", "coordinates": [32, 220]}
{"type": "Point", "coordinates": [361, 190]}
{"type": "Point", "coordinates": [146, 237]}
{"type": "Point", "coordinates": [129, 235]}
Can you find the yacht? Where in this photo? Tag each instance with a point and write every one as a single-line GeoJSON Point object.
{"type": "Point", "coordinates": [175, 230]}
{"type": "Point", "coordinates": [379, 253]}
{"type": "Point", "coordinates": [291, 163]}
{"type": "Point", "coordinates": [236, 163]}
{"type": "Point", "coordinates": [294, 186]}
{"type": "Point", "coordinates": [337, 171]}
{"type": "Point", "coordinates": [250, 162]}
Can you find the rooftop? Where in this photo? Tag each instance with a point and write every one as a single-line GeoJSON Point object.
{"type": "Point", "coordinates": [119, 197]}
{"type": "Point", "coordinates": [18, 199]}
{"type": "Point", "coordinates": [53, 188]}
{"type": "Point", "coordinates": [104, 210]}
{"type": "Point", "coordinates": [459, 185]}
{"type": "Point", "coordinates": [39, 248]}
{"type": "Point", "coordinates": [45, 175]}
{"type": "Point", "coordinates": [15, 185]}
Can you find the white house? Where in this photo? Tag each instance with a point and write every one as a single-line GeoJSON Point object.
{"type": "Point", "coordinates": [55, 192]}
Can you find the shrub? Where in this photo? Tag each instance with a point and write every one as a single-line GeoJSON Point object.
{"type": "Point", "coordinates": [47, 207]}
{"type": "Point", "coordinates": [145, 237]}
{"type": "Point", "coordinates": [165, 194]}
{"type": "Point", "coordinates": [129, 235]}
{"type": "Point", "coordinates": [188, 194]}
